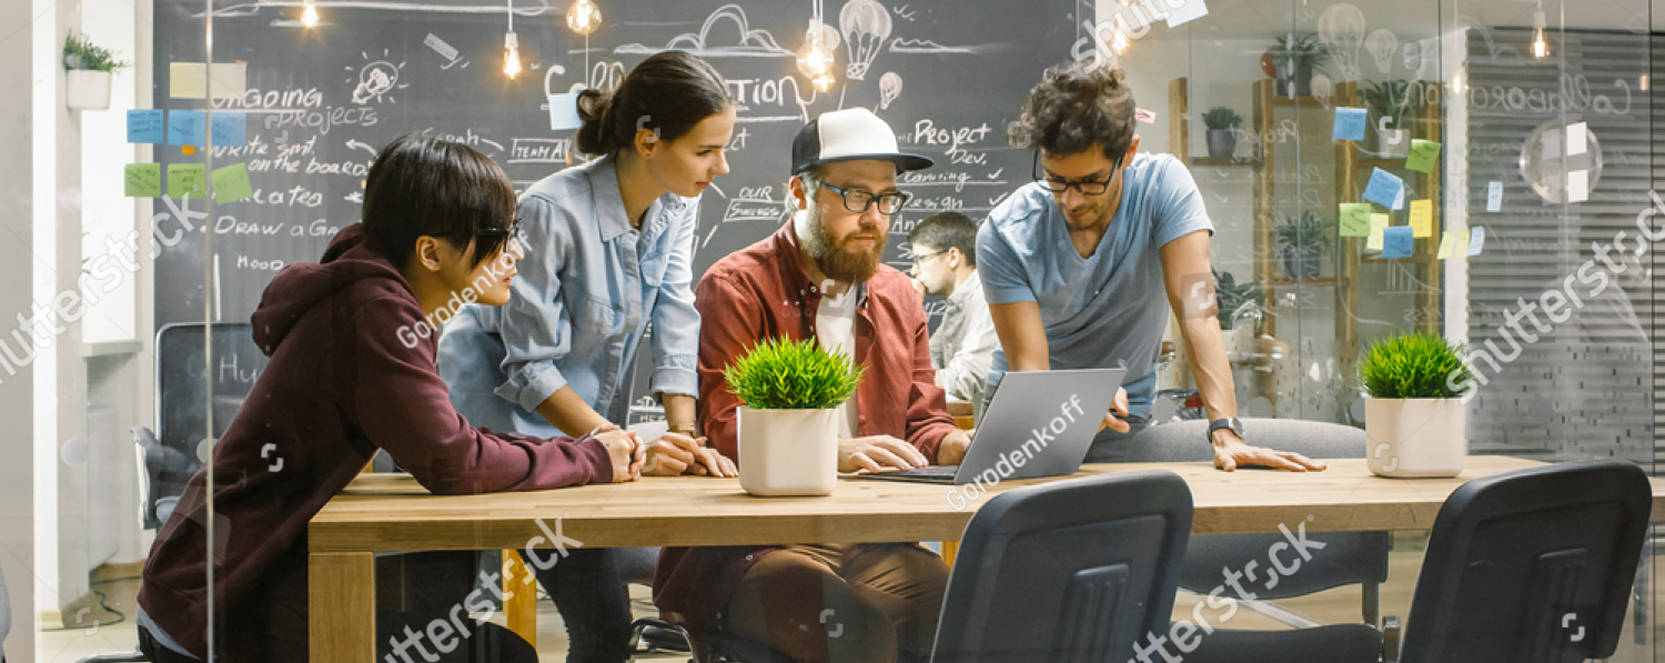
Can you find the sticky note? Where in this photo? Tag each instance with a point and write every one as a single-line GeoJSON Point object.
{"type": "Point", "coordinates": [187, 127]}
{"type": "Point", "coordinates": [144, 180]}
{"type": "Point", "coordinates": [1378, 224]}
{"type": "Point", "coordinates": [1422, 218]}
{"type": "Point", "coordinates": [1384, 188]}
{"type": "Point", "coordinates": [1142, 115]}
{"type": "Point", "coordinates": [563, 111]}
{"type": "Point", "coordinates": [190, 80]}
{"type": "Point", "coordinates": [145, 126]}
{"type": "Point", "coordinates": [1494, 197]}
{"type": "Point", "coordinates": [1463, 239]}
{"type": "Point", "coordinates": [1396, 242]}
{"type": "Point", "coordinates": [231, 183]}
{"type": "Point", "coordinates": [1398, 199]}
{"type": "Point", "coordinates": [1349, 124]}
{"type": "Point", "coordinates": [1448, 244]}
{"type": "Point", "coordinates": [1477, 240]}
{"type": "Point", "coordinates": [187, 180]}
{"type": "Point", "coordinates": [1578, 139]}
{"type": "Point", "coordinates": [1355, 219]}
{"type": "Point", "coordinates": [1578, 186]}
{"type": "Point", "coordinates": [230, 129]}
{"type": "Point", "coordinates": [1424, 153]}
{"type": "Point", "coordinates": [1191, 10]}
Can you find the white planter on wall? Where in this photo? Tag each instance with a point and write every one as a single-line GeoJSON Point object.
{"type": "Point", "coordinates": [788, 452]}
{"type": "Point", "coordinates": [1415, 438]}
{"type": "Point", "coordinates": [87, 90]}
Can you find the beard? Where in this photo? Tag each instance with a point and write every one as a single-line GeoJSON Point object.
{"type": "Point", "coordinates": [838, 260]}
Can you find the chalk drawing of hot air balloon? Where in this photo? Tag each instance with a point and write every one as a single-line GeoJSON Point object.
{"type": "Point", "coordinates": [866, 26]}
{"type": "Point", "coordinates": [1383, 45]}
{"type": "Point", "coordinates": [890, 86]}
{"type": "Point", "coordinates": [1341, 28]}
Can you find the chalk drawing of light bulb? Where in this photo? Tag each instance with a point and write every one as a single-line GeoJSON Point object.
{"type": "Point", "coordinates": [890, 86]}
{"type": "Point", "coordinates": [1383, 45]}
{"type": "Point", "coordinates": [866, 26]}
{"type": "Point", "coordinates": [1341, 28]}
{"type": "Point", "coordinates": [1322, 88]}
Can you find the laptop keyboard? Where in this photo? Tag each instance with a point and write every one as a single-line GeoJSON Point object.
{"type": "Point", "coordinates": [935, 471]}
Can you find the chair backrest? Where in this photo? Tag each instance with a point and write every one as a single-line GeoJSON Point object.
{"type": "Point", "coordinates": [1074, 570]}
{"type": "Point", "coordinates": [1347, 558]}
{"type": "Point", "coordinates": [1531, 566]}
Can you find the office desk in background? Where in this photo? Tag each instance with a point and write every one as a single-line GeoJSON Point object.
{"type": "Point", "coordinates": [391, 512]}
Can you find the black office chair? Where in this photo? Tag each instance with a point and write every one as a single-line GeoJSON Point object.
{"type": "Point", "coordinates": [1347, 558]}
{"type": "Point", "coordinates": [1074, 570]}
{"type": "Point", "coordinates": [1533, 566]}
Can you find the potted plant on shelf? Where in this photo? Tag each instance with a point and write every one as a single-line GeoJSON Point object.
{"type": "Point", "coordinates": [1222, 125]}
{"type": "Point", "coordinates": [1389, 101]}
{"type": "Point", "coordinates": [89, 69]}
{"type": "Point", "coordinates": [1295, 60]}
{"type": "Point", "coordinates": [788, 426]}
{"type": "Point", "coordinates": [1414, 421]}
{"type": "Point", "coordinates": [1302, 244]}
{"type": "Point", "coordinates": [1240, 310]}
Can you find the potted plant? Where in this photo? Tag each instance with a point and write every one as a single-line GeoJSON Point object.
{"type": "Point", "coordinates": [89, 69]}
{"type": "Point", "coordinates": [1222, 125]}
{"type": "Point", "coordinates": [1413, 408]}
{"type": "Point", "coordinates": [1389, 103]}
{"type": "Point", "coordinates": [1295, 61]}
{"type": "Point", "coordinates": [788, 426]}
{"type": "Point", "coordinates": [1240, 307]}
{"type": "Point", "coordinates": [1301, 244]}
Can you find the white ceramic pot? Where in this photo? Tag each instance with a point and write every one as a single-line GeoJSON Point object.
{"type": "Point", "coordinates": [87, 90]}
{"type": "Point", "coordinates": [788, 452]}
{"type": "Point", "coordinates": [1415, 438]}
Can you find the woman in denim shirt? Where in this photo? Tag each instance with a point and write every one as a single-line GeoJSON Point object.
{"type": "Point", "coordinates": [609, 249]}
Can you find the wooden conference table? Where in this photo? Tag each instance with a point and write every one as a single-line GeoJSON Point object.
{"type": "Point", "coordinates": [391, 512]}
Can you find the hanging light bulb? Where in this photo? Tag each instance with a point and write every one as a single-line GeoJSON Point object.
{"type": "Point", "coordinates": [1120, 42]}
{"type": "Point", "coordinates": [583, 17]}
{"type": "Point", "coordinates": [511, 54]}
{"type": "Point", "coordinates": [1540, 45]}
{"type": "Point", "coordinates": [816, 59]}
{"type": "Point", "coordinates": [309, 15]}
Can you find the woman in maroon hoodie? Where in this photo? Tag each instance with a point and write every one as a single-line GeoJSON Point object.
{"type": "Point", "coordinates": [352, 341]}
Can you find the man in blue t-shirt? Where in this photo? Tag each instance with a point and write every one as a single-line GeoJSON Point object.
{"type": "Point", "coordinates": [1075, 265]}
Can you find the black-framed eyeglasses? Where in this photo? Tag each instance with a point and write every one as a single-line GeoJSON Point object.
{"type": "Point", "coordinates": [1088, 188]}
{"type": "Point", "coordinates": [493, 239]}
{"type": "Point", "coordinates": [857, 201]}
{"type": "Point", "coordinates": [920, 258]}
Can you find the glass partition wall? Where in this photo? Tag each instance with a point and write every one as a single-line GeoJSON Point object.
{"type": "Point", "coordinates": [1480, 170]}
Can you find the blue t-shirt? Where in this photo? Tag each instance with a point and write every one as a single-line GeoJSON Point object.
{"type": "Point", "coordinates": [1109, 310]}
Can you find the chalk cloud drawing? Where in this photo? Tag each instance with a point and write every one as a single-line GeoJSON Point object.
{"type": "Point", "coordinates": [890, 86]}
{"type": "Point", "coordinates": [752, 43]}
{"type": "Point", "coordinates": [1383, 45]}
{"type": "Point", "coordinates": [866, 26]}
{"type": "Point", "coordinates": [375, 79]}
{"type": "Point", "coordinates": [900, 45]}
{"type": "Point", "coordinates": [1341, 28]}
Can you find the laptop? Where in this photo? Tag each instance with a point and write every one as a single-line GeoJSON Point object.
{"type": "Point", "coordinates": [1049, 417]}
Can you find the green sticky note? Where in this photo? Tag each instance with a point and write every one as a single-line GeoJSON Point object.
{"type": "Point", "coordinates": [144, 180]}
{"type": "Point", "coordinates": [1423, 155]}
{"type": "Point", "coordinates": [187, 180]}
{"type": "Point", "coordinates": [1378, 226]}
{"type": "Point", "coordinates": [1355, 219]}
{"type": "Point", "coordinates": [231, 183]}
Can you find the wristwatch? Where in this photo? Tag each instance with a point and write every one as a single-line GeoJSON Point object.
{"type": "Point", "coordinates": [1232, 424]}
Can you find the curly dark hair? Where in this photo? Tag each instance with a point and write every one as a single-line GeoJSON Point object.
{"type": "Point", "coordinates": [1076, 106]}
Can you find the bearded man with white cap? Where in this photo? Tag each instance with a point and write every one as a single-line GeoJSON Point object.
{"type": "Point", "coordinates": [820, 277]}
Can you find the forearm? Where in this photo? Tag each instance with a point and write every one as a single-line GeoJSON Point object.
{"type": "Point", "coordinates": [1210, 367]}
{"type": "Point", "coordinates": [679, 410]}
{"type": "Point", "coordinates": [566, 410]}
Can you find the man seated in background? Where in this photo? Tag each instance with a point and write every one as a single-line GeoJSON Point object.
{"type": "Point", "coordinates": [820, 277]}
{"type": "Point", "coordinates": [945, 265]}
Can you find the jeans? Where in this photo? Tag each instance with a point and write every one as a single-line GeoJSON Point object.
{"type": "Point", "coordinates": [588, 590]}
{"type": "Point", "coordinates": [1110, 446]}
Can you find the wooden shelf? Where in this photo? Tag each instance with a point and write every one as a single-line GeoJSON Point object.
{"type": "Point", "coordinates": [1227, 161]}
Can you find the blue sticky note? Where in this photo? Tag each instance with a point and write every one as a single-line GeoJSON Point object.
{"type": "Point", "coordinates": [1396, 242]}
{"type": "Point", "coordinates": [188, 127]}
{"type": "Point", "coordinates": [1349, 123]}
{"type": "Point", "coordinates": [563, 111]}
{"type": "Point", "coordinates": [230, 130]}
{"type": "Point", "coordinates": [145, 126]}
{"type": "Point", "coordinates": [1477, 240]}
{"type": "Point", "coordinates": [1384, 189]}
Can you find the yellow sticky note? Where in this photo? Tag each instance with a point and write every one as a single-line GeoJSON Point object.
{"type": "Point", "coordinates": [1378, 224]}
{"type": "Point", "coordinates": [1460, 249]}
{"type": "Point", "coordinates": [1448, 242]}
{"type": "Point", "coordinates": [190, 80]}
{"type": "Point", "coordinates": [187, 180]}
{"type": "Point", "coordinates": [1422, 218]}
{"type": "Point", "coordinates": [144, 180]}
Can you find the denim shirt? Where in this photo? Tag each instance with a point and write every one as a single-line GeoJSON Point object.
{"type": "Point", "coordinates": [585, 292]}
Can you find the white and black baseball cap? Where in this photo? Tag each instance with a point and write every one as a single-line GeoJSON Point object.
{"type": "Point", "coordinates": [852, 134]}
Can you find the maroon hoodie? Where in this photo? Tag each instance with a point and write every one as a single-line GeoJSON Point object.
{"type": "Point", "coordinates": [340, 385]}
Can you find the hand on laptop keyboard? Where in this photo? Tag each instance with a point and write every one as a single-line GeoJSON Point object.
{"type": "Point", "coordinates": [876, 452]}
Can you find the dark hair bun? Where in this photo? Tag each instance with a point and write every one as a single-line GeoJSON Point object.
{"type": "Point", "coordinates": [592, 137]}
{"type": "Point", "coordinates": [668, 93]}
